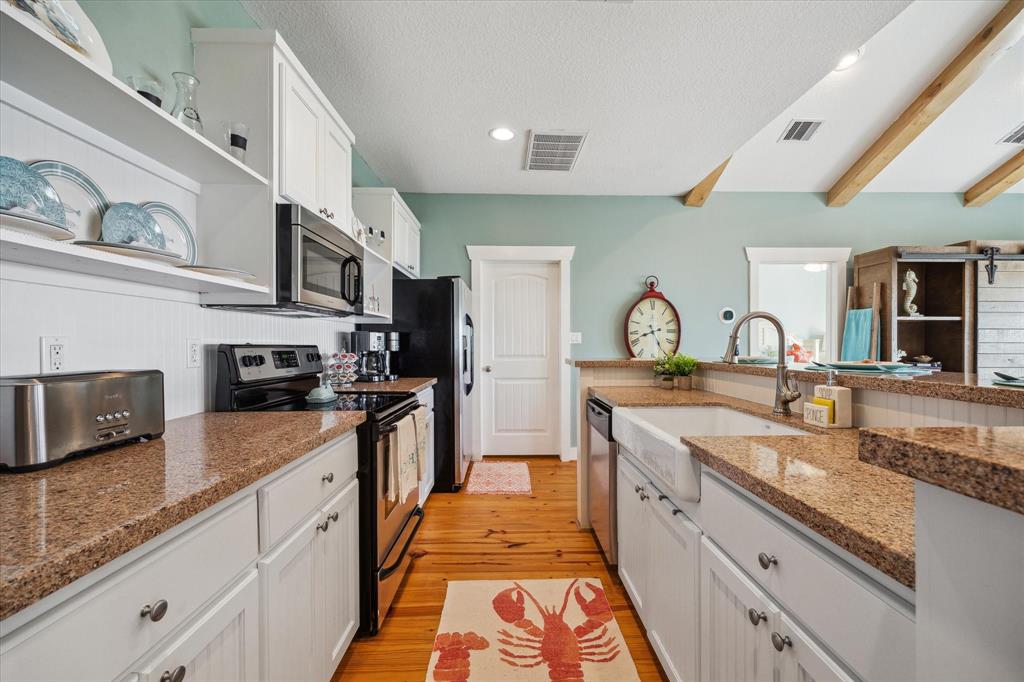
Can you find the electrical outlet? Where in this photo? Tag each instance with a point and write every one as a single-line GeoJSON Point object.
{"type": "Point", "coordinates": [575, 337]}
{"type": "Point", "coordinates": [53, 353]}
{"type": "Point", "coordinates": [194, 353]}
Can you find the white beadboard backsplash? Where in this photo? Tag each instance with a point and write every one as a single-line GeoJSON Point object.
{"type": "Point", "coordinates": [119, 325]}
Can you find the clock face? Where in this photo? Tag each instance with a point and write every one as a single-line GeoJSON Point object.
{"type": "Point", "coordinates": [652, 329]}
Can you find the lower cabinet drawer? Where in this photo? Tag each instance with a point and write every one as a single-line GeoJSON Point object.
{"type": "Point", "coordinates": [871, 635]}
{"type": "Point", "coordinates": [294, 496]}
{"type": "Point", "coordinates": [99, 633]}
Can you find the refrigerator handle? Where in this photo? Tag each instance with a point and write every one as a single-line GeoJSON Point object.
{"type": "Point", "coordinates": [467, 354]}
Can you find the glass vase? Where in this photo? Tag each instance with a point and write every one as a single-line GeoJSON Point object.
{"type": "Point", "coordinates": [186, 109]}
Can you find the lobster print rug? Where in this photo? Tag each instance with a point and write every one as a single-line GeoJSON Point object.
{"type": "Point", "coordinates": [499, 478]}
{"type": "Point", "coordinates": [529, 630]}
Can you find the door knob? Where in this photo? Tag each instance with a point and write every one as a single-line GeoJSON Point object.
{"type": "Point", "coordinates": [488, 368]}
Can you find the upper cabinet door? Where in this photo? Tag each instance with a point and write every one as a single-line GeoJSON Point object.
{"type": "Point", "coordinates": [413, 250]}
{"type": "Point", "coordinates": [399, 236]}
{"type": "Point", "coordinates": [337, 176]}
{"type": "Point", "coordinates": [302, 121]}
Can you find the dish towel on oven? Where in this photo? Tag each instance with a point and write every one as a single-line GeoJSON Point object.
{"type": "Point", "coordinates": [420, 415]}
{"type": "Point", "coordinates": [404, 475]}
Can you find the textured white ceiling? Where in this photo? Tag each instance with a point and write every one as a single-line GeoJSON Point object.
{"type": "Point", "coordinates": [858, 104]}
{"type": "Point", "coordinates": [667, 90]}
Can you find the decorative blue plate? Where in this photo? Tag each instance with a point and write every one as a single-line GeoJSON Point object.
{"type": "Point", "coordinates": [84, 202]}
{"type": "Point", "coordinates": [126, 223]}
{"type": "Point", "coordinates": [26, 192]}
{"type": "Point", "coordinates": [180, 237]}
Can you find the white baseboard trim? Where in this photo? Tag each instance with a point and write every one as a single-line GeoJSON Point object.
{"type": "Point", "coordinates": [569, 456]}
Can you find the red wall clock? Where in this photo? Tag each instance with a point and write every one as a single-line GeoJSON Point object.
{"type": "Point", "coordinates": [652, 328]}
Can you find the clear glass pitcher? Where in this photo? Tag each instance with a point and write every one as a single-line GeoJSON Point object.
{"type": "Point", "coordinates": [186, 109]}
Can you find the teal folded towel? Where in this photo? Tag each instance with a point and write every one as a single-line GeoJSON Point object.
{"type": "Point", "coordinates": [857, 335]}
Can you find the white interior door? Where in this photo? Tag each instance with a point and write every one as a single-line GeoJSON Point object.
{"type": "Point", "coordinates": [519, 380]}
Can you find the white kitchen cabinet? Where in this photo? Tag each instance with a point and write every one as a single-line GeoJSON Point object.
{"type": "Point", "coordinates": [221, 645]}
{"type": "Point", "coordinates": [301, 135]}
{"type": "Point", "coordinates": [801, 659]}
{"type": "Point", "coordinates": [671, 614]}
{"type": "Point", "coordinates": [339, 574]}
{"type": "Point", "coordinates": [336, 191]}
{"type": "Point", "coordinates": [413, 251]}
{"type": "Point", "coordinates": [406, 255]}
{"type": "Point", "coordinates": [383, 209]}
{"type": "Point", "coordinates": [427, 484]}
{"type": "Point", "coordinates": [290, 642]}
{"type": "Point", "coordinates": [632, 536]}
{"type": "Point", "coordinates": [736, 622]}
{"type": "Point", "coordinates": [310, 587]}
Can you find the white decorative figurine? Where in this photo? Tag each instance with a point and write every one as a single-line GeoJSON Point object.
{"type": "Point", "coordinates": [910, 286]}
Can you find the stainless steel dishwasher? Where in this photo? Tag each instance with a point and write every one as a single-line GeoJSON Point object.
{"type": "Point", "coordinates": [601, 455]}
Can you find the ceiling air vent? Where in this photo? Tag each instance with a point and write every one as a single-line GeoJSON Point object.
{"type": "Point", "coordinates": [553, 151]}
{"type": "Point", "coordinates": [800, 131]}
{"type": "Point", "coordinates": [1016, 136]}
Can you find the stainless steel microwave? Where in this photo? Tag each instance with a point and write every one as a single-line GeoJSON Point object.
{"type": "Point", "coordinates": [318, 268]}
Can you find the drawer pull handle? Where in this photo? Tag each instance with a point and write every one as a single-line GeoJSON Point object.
{"type": "Point", "coordinates": [155, 611]}
{"type": "Point", "coordinates": [756, 616]}
{"type": "Point", "coordinates": [333, 517]}
{"type": "Point", "coordinates": [325, 525]}
{"type": "Point", "coordinates": [328, 477]}
{"type": "Point", "coordinates": [780, 642]}
{"type": "Point", "coordinates": [176, 675]}
{"type": "Point", "coordinates": [767, 562]}
{"type": "Point", "coordinates": [662, 497]}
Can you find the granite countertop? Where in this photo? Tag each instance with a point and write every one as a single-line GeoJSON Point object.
{"type": "Point", "coordinates": [947, 385]}
{"type": "Point", "coordinates": [983, 462]}
{"type": "Point", "coordinates": [60, 523]}
{"type": "Point", "coordinates": [816, 479]}
{"type": "Point", "coordinates": [402, 385]}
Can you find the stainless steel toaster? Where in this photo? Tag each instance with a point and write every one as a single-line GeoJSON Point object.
{"type": "Point", "coordinates": [45, 418]}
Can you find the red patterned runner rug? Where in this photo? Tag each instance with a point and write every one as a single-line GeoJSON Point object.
{"type": "Point", "coordinates": [529, 630]}
{"type": "Point", "coordinates": [499, 478]}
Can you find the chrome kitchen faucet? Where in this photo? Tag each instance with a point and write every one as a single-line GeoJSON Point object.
{"type": "Point", "coordinates": [784, 395]}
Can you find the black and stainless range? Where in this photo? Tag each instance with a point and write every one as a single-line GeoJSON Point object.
{"type": "Point", "coordinates": [254, 378]}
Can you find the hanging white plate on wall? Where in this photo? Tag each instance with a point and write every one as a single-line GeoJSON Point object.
{"type": "Point", "coordinates": [178, 233]}
{"type": "Point", "coordinates": [36, 226]}
{"type": "Point", "coordinates": [84, 202]}
{"type": "Point", "coordinates": [135, 250]}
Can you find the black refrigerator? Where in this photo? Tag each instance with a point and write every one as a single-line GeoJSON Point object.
{"type": "Point", "coordinates": [436, 340]}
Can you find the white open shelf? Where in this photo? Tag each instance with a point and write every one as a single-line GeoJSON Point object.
{"type": "Point", "coordinates": [376, 255]}
{"type": "Point", "coordinates": [39, 65]}
{"type": "Point", "coordinates": [25, 248]}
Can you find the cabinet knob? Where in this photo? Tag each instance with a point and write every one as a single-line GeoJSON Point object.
{"type": "Point", "coordinates": [488, 368]}
{"type": "Point", "coordinates": [333, 517]}
{"type": "Point", "coordinates": [636, 488]}
{"type": "Point", "coordinates": [176, 675]}
{"type": "Point", "coordinates": [327, 478]}
{"type": "Point", "coordinates": [767, 561]}
{"type": "Point", "coordinates": [644, 495]}
{"type": "Point", "coordinates": [780, 642]}
{"type": "Point", "coordinates": [325, 525]}
{"type": "Point", "coordinates": [756, 616]}
{"type": "Point", "coordinates": [155, 611]}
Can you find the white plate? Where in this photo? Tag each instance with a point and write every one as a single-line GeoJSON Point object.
{"type": "Point", "coordinates": [221, 272]}
{"type": "Point", "coordinates": [38, 227]}
{"type": "Point", "coordinates": [84, 202]}
{"type": "Point", "coordinates": [136, 251]}
{"type": "Point", "coordinates": [178, 233]}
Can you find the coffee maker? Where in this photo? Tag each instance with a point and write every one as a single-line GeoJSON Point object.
{"type": "Point", "coordinates": [391, 346]}
{"type": "Point", "coordinates": [373, 352]}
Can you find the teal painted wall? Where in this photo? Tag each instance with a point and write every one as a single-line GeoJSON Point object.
{"type": "Point", "coordinates": [696, 252]}
{"type": "Point", "coordinates": [154, 38]}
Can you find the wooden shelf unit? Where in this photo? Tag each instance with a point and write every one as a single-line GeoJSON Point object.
{"type": "Point", "coordinates": [945, 298]}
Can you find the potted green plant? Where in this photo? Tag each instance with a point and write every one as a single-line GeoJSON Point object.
{"type": "Point", "coordinates": [673, 371]}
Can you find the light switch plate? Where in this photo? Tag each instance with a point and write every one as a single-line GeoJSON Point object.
{"type": "Point", "coordinates": [575, 337]}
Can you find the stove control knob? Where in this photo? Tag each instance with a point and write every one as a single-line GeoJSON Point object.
{"type": "Point", "coordinates": [117, 415]}
{"type": "Point", "coordinates": [109, 417]}
{"type": "Point", "coordinates": [260, 360]}
{"type": "Point", "coordinates": [126, 414]}
{"type": "Point", "coordinates": [246, 361]}
{"type": "Point", "coordinates": [99, 419]}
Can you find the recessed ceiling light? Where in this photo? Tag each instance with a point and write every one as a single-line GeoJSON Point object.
{"type": "Point", "coordinates": [502, 134]}
{"type": "Point", "coordinates": [849, 59]}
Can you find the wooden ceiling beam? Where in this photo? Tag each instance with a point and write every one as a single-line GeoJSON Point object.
{"type": "Point", "coordinates": [1002, 31]}
{"type": "Point", "coordinates": [702, 190]}
{"type": "Point", "coordinates": [996, 182]}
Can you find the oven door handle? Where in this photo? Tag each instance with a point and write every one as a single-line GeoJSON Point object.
{"type": "Point", "coordinates": [394, 427]}
{"type": "Point", "coordinates": [386, 571]}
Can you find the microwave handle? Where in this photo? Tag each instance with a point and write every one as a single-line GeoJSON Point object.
{"type": "Point", "coordinates": [356, 297]}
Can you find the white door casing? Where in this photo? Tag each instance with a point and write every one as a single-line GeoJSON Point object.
{"type": "Point", "coordinates": [519, 358]}
{"type": "Point", "coordinates": [523, 432]}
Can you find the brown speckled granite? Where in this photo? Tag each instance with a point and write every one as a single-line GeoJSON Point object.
{"type": "Point", "coordinates": [816, 479]}
{"type": "Point", "coordinates": [402, 385]}
{"type": "Point", "coordinates": [947, 385]}
{"type": "Point", "coordinates": [58, 524]}
{"type": "Point", "coordinates": [617, 362]}
{"type": "Point", "coordinates": [983, 462]}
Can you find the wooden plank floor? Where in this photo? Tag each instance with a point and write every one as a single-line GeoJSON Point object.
{"type": "Point", "coordinates": [491, 537]}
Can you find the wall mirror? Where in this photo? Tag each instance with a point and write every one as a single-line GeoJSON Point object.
{"type": "Point", "coordinates": [806, 289]}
